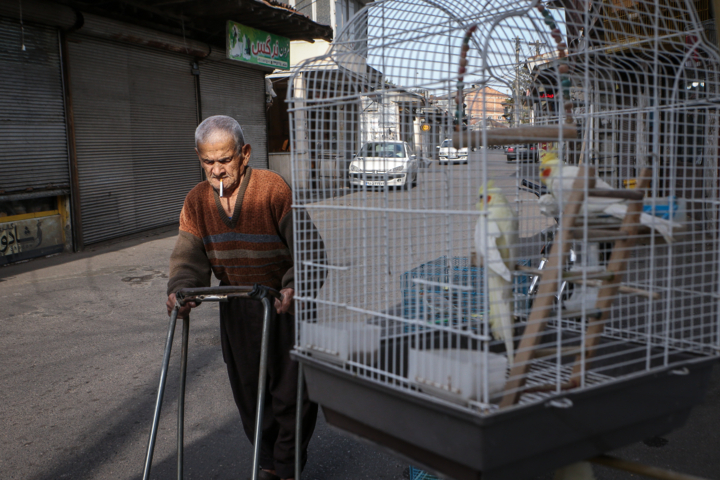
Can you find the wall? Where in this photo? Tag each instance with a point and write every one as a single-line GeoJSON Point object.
{"type": "Point", "coordinates": [280, 163]}
{"type": "Point", "coordinates": [300, 51]}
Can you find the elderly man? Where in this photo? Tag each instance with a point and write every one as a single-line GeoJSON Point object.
{"type": "Point", "coordinates": [238, 224]}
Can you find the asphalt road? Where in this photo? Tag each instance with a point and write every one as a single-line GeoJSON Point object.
{"type": "Point", "coordinates": [81, 337]}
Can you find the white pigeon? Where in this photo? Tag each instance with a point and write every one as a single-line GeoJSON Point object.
{"type": "Point", "coordinates": [496, 239]}
{"type": "Point", "coordinates": [550, 175]}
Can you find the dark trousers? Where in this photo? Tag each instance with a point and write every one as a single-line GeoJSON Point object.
{"type": "Point", "coordinates": [241, 335]}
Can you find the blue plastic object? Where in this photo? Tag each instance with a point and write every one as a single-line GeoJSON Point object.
{"type": "Point", "coordinates": [417, 474]}
{"type": "Point", "coordinates": [666, 211]}
{"type": "Point", "coordinates": [449, 291]}
{"type": "Point", "coordinates": [441, 302]}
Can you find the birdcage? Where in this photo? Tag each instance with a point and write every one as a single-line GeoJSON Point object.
{"type": "Point", "coordinates": [607, 189]}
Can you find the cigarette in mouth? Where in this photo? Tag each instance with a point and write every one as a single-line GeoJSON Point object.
{"type": "Point", "coordinates": [221, 188]}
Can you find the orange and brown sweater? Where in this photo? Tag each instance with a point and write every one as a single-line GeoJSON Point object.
{"type": "Point", "coordinates": [254, 246]}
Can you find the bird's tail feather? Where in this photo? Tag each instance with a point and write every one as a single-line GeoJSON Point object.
{"type": "Point", "coordinates": [500, 320]}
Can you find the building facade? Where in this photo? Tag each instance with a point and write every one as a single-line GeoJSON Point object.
{"type": "Point", "coordinates": [101, 109]}
{"type": "Point", "coordinates": [329, 156]}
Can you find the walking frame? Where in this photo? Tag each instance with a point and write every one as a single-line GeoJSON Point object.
{"type": "Point", "coordinates": [213, 294]}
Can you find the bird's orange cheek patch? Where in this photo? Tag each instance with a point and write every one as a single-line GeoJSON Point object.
{"type": "Point", "coordinates": [489, 198]}
{"type": "Point", "coordinates": [545, 172]}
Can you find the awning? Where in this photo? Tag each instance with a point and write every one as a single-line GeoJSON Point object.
{"type": "Point", "coordinates": [205, 21]}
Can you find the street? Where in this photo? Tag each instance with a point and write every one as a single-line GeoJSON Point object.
{"type": "Point", "coordinates": [82, 338]}
{"type": "Point", "coordinates": [374, 235]}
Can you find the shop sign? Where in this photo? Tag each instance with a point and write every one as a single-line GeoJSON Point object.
{"type": "Point", "coordinates": [249, 45]}
{"type": "Point", "coordinates": [9, 243]}
{"type": "Point", "coordinates": [26, 236]}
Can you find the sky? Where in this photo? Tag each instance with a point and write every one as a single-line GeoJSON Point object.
{"type": "Point", "coordinates": [417, 45]}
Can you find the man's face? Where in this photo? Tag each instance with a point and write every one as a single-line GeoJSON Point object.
{"type": "Point", "coordinates": [222, 162]}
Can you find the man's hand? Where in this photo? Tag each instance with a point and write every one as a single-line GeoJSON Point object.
{"type": "Point", "coordinates": [184, 310]}
{"type": "Point", "coordinates": [286, 305]}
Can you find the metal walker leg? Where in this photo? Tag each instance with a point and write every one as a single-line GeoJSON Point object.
{"type": "Point", "coordinates": [298, 423]}
{"type": "Point", "coordinates": [262, 380]}
{"type": "Point", "coordinates": [198, 295]}
{"type": "Point", "coordinates": [161, 393]}
{"type": "Point", "coordinates": [181, 397]}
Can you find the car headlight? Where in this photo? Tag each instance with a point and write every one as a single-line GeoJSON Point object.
{"type": "Point", "coordinates": [401, 168]}
{"type": "Point", "coordinates": [355, 168]}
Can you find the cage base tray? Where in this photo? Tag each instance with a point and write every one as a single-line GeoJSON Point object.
{"type": "Point", "coordinates": [517, 443]}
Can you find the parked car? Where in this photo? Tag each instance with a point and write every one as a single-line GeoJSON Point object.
{"type": "Point", "coordinates": [522, 152]}
{"type": "Point", "coordinates": [447, 153]}
{"type": "Point", "coordinates": [384, 164]}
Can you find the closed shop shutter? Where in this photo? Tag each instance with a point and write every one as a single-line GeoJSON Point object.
{"type": "Point", "coordinates": [135, 118]}
{"type": "Point", "coordinates": [32, 114]}
{"type": "Point", "coordinates": [237, 92]}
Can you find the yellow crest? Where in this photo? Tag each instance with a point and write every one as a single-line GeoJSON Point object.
{"type": "Point", "coordinates": [490, 184]}
{"type": "Point", "coordinates": [547, 156]}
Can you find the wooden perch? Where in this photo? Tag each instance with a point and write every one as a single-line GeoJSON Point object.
{"type": "Point", "coordinates": [544, 300]}
{"type": "Point", "coordinates": [515, 135]}
{"type": "Point", "coordinates": [608, 235]}
{"type": "Point", "coordinates": [621, 194]}
{"type": "Point", "coordinates": [617, 265]}
{"type": "Point", "coordinates": [552, 352]}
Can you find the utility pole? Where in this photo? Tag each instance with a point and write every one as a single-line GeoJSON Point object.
{"type": "Point", "coordinates": [536, 44]}
{"type": "Point", "coordinates": [517, 81]}
{"type": "Point", "coordinates": [518, 98]}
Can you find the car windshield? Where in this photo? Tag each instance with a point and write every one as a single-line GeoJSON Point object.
{"type": "Point", "coordinates": [394, 150]}
{"type": "Point", "coordinates": [445, 144]}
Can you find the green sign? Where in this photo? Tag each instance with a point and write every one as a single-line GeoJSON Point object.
{"type": "Point", "coordinates": [246, 44]}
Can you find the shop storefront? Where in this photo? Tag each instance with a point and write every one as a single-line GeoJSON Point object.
{"type": "Point", "coordinates": [98, 120]}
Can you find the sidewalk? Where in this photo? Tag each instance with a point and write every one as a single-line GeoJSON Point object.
{"type": "Point", "coordinates": [82, 337]}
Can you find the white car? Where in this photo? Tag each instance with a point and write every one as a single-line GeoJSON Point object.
{"type": "Point", "coordinates": [384, 164]}
{"type": "Point", "coordinates": [447, 153]}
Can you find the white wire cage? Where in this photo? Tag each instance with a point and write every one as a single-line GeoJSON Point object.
{"type": "Point", "coordinates": [575, 267]}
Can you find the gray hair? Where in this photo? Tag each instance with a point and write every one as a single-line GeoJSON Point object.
{"type": "Point", "coordinates": [219, 124]}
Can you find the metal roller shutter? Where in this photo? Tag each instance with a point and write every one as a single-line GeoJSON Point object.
{"type": "Point", "coordinates": [32, 112]}
{"type": "Point", "coordinates": [135, 118]}
{"type": "Point", "coordinates": [237, 92]}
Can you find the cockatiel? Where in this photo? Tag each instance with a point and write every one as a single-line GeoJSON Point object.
{"type": "Point", "coordinates": [496, 239]}
{"type": "Point", "coordinates": [599, 206]}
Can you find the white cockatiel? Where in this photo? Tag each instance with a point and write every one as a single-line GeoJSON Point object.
{"type": "Point", "coordinates": [550, 175]}
{"type": "Point", "coordinates": [496, 239]}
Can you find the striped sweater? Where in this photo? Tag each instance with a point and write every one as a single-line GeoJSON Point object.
{"type": "Point", "coordinates": [254, 246]}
